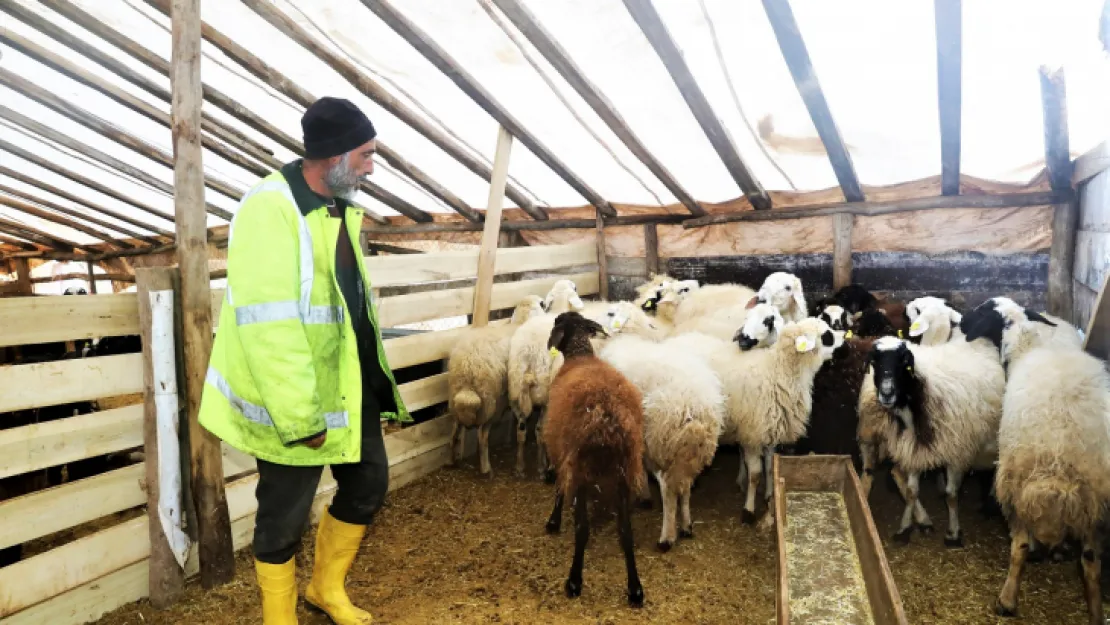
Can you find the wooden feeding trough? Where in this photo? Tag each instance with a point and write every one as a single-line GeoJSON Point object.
{"type": "Point", "coordinates": [831, 565]}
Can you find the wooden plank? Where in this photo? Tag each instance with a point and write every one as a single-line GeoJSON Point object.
{"type": "Point", "coordinates": [84, 275]}
{"type": "Point", "coordinates": [555, 54]}
{"type": "Point", "coordinates": [1061, 259]}
{"type": "Point", "coordinates": [949, 36]}
{"type": "Point", "coordinates": [533, 226]}
{"type": "Point", "coordinates": [602, 260]}
{"type": "Point", "coordinates": [65, 381]}
{"type": "Point", "coordinates": [1097, 341]}
{"type": "Point", "coordinates": [446, 64]}
{"type": "Point", "coordinates": [1054, 106]}
{"type": "Point", "coordinates": [417, 349]}
{"type": "Point", "coordinates": [53, 443]}
{"type": "Point", "coordinates": [33, 320]}
{"type": "Point", "coordinates": [797, 59]}
{"type": "Point", "coordinates": [886, 602]}
{"type": "Point", "coordinates": [1092, 258]}
{"type": "Point", "coordinates": [782, 583]}
{"type": "Point", "coordinates": [403, 309]}
{"type": "Point", "coordinates": [167, 578]}
{"type": "Point", "coordinates": [487, 253]}
{"type": "Point", "coordinates": [842, 250]}
{"type": "Point", "coordinates": [424, 392]}
{"type": "Point", "coordinates": [651, 249]}
{"type": "Point", "coordinates": [455, 265]}
{"type": "Point", "coordinates": [1004, 200]}
{"type": "Point", "coordinates": [217, 558]}
{"type": "Point", "coordinates": [657, 34]}
{"type": "Point", "coordinates": [23, 286]}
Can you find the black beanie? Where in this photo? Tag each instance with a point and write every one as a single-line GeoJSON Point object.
{"type": "Point", "coordinates": [334, 126]}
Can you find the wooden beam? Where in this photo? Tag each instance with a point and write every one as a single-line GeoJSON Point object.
{"type": "Point", "coordinates": [31, 209]}
{"type": "Point", "coordinates": [949, 35]}
{"type": "Point", "coordinates": [602, 260]}
{"type": "Point", "coordinates": [217, 562]}
{"type": "Point", "coordinates": [32, 233]}
{"type": "Point", "coordinates": [79, 179]}
{"type": "Point", "coordinates": [1065, 220]}
{"type": "Point", "coordinates": [555, 54]}
{"type": "Point", "coordinates": [92, 277]}
{"type": "Point", "coordinates": [18, 243]}
{"type": "Point", "coordinates": [23, 277]}
{"type": "Point", "coordinates": [651, 248]}
{"type": "Point", "coordinates": [446, 64]}
{"type": "Point", "coordinates": [794, 51]}
{"type": "Point", "coordinates": [842, 250]}
{"type": "Point", "coordinates": [647, 18]}
{"type": "Point", "coordinates": [531, 226]}
{"type": "Point", "coordinates": [1061, 260]}
{"type": "Point", "coordinates": [1002, 200]}
{"type": "Point", "coordinates": [116, 134]}
{"type": "Point", "coordinates": [1056, 149]}
{"type": "Point", "coordinates": [65, 210]}
{"type": "Point", "coordinates": [428, 183]}
{"type": "Point", "coordinates": [487, 254]}
{"type": "Point", "coordinates": [114, 277]}
{"type": "Point", "coordinates": [389, 249]}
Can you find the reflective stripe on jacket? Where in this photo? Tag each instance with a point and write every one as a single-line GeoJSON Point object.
{"type": "Point", "coordinates": [285, 363]}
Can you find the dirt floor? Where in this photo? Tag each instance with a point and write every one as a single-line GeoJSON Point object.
{"type": "Point", "coordinates": [457, 548]}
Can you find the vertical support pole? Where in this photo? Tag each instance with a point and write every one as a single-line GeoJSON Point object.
{"type": "Point", "coordinates": [842, 250]}
{"type": "Point", "coordinates": [23, 284]}
{"type": "Point", "coordinates": [92, 276]}
{"type": "Point", "coordinates": [602, 260]}
{"type": "Point", "coordinates": [487, 255]}
{"type": "Point", "coordinates": [1065, 219]}
{"type": "Point", "coordinates": [651, 249]}
{"type": "Point", "coordinates": [217, 562]}
{"type": "Point", "coordinates": [161, 441]}
{"type": "Point", "coordinates": [1061, 259]}
{"type": "Point", "coordinates": [364, 243]}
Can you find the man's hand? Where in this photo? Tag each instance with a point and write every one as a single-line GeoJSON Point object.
{"type": "Point", "coordinates": [316, 443]}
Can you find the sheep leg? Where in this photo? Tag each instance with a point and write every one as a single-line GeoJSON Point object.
{"type": "Point", "coordinates": [483, 450]}
{"type": "Point", "coordinates": [521, 439]}
{"type": "Point", "coordinates": [541, 449]}
{"type": "Point", "coordinates": [643, 498]}
{"type": "Point", "coordinates": [624, 518]}
{"type": "Point", "coordinates": [555, 521]}
{"type": "Point", "coordinates": [954, 538]}
{"type": "Point", "coordinates": [1019, 551]}
{"type": "Point", "coordinates": [686, 529]}
{"type": "Point", "coordinates": [912, 491]}
{"type": "Point", "coordinates": [753, 459]}
{"type": "Point", "coordinates": [670, 500]}
{"type": "Point", "coordinates": [742, 476]}
{"type": "Point", "coordinates": [457, 432]}
{"type": "Point", "coordinates": [869, 454]}
{"type": "Point", "coordinates": [924, 523]}
{"type": "Point", "coordinates": [581, 537]}
{"type": "Point", "coordinates": [768, 473]}
{"type": "Point", "coordinates": [1092, 578]}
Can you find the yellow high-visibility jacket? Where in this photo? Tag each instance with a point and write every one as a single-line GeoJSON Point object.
{"type": "Point", "coordinates": [285, 362]}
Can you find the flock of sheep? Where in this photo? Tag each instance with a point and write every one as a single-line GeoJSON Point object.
{"type": "Point", "coordinates": [651, 387]}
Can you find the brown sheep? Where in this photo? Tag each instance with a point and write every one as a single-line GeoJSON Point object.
{"type": "Point", "coordinates": [595, 439]}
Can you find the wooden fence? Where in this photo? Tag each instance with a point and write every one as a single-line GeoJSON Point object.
{"type": "Point", "coordinates": [79, 581]}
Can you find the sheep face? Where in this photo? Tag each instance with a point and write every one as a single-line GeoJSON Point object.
{"type": "Point", "coordinates": [931, 315]}
{"type": "Point", "coordinates": [622, 315]}
{"type": "Point", "coordinates": [810, 336]}
{"type": "Point", "coordinates": [531, 306]}
{"type": "Point", "coordinates": [563, 291]}
{"type": "Point", "coordinates": [649, 291]}
{"type": "Point", "coordinates": [892, 366]}
{"type": "Point", "coordinates": [572, 332]}
{"type": "Point", "coordinates": [784, 291]}
{"type": "Point", "coordinates": [914, 308]}
{"type": "Point", "coordinates": [1001, 320]}
{"type": "Point", "coordinates": [761, 327]}
{"type": "Point", "coordinates": [836, 317]}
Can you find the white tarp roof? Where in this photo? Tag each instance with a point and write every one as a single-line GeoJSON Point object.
{"type": "Point", "coordinates": [876, 61]}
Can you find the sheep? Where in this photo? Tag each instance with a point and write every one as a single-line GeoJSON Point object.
{"type": "Point", "coordinates": [477, 378]}
{"type": "Point", "coordinates": [854, 298]}
{"type": "Point", "coordinates": [932, 321]}
{"type": "Point", "coordinates": [726, 302]}
{"type": "Point", "coordinates": [1053, 478]}
{"type": "Point", "coordinates": [531, 367]}
{"type": "Point", "coordinates": [761, 327]}
{"type": "Point", "coordinates": [838, 318]}
{"type": "Point", "coordinates": [942, 404]}
{"type": "Point", "coordinates": [683, 413]}
{"type": "Point", "coordinates": [595, 435]}
{"type": "Point", "coordinates": [627, 318]}
{"type": "Point", "coordinates": [784, 291]}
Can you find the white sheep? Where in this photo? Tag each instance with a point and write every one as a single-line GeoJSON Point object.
{"type": "Point", "coordinates": [725, 302]}
{"type": "Point", "coordinates": [932, 321]}
{"type": "Point", "coordinates": [931, 407]}
{"type": "Point", "coordinates": [683, 406]}
{"type": "Point", "coordinates": [477, 378]}
{"type": "Point", "coordinates": [761, 327]}
{"type": "Point", "coordinates": [1053, 478]}
{"type": "Point", "coordinates": [784, 291]}
{"type": "Point", "coordinates": [532, 367]}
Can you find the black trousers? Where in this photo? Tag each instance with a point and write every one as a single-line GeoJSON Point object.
{"type": "Point", "coordinates": [285, 494]}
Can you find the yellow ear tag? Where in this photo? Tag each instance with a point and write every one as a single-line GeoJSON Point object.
{"type": "Point", "coordinates": [554, 352]}
{"type": "Point", "coordinates": [848, 334]}
{"type": "Point", "coordinates": [801, 344]}
{"type": "Point", "coordinates": [649, 304]}
{"type": "Point", "coordinates": [910, 369]}
{"type": "Point", "coordinates": [899, 333]}
{"type": "Point", "coordinates": [915, 326]}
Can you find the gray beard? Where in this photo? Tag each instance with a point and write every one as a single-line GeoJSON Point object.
{"type": "Point", "coordinates": [341, 179]}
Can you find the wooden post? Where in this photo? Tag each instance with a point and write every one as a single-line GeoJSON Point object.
{"type": "Point", "coordinates": [92, 277]}
{"type": "Point", "coordinates": [1065, 220]}
{"type": "Point", "coordinates": [602, 260]}
{"type": "Point", "coordinates": [487, 254]}
{"type": "Point", "coordinates": [651, 248]}
{"type": "Point", "coordinates": [949, 29]}
{"type": "Point", "coordinates": [1061, 259]}
{"type": "Point", "coordinates": [167, 577]}
{"type": "Point", "coordinates": [23, 284]}
{"type": "Point", "coordinates": [842, 250]}
{"type": "Point", "coordinates": [217, 563]}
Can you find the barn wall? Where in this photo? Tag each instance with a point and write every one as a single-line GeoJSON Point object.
{"type": "Point", "coordinates": [1092, 245]}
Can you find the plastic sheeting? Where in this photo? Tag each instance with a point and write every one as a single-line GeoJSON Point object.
{"type": "Point", "coordinates": [875, 60]}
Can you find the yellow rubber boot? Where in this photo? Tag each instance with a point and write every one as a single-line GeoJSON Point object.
{"type": "Point", "coordinates": [279, 592]}
{"type": "Point", "coordinates": [336, 545]}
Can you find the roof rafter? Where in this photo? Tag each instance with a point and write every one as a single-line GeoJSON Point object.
{"type": "Point", "coordinates": [451, 68]}
{"type": "Point", "coordinates": [558, 57]}
{"type": "Point", "coordinates": [794, 51]}
{"type": "Point", "coordinates": [58, 208]}
{"type": "Point", "coordinates": [647, 18]}
{"type": "Point", "coordinates": [949, 35]}
{"type": "Point", "coordinates": [32, 233]}
{"type": "Point", "coordinates": [45, 215]}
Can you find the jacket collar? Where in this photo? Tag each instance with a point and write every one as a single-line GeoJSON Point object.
{"type": "Point", "coordinates": [307, 199]}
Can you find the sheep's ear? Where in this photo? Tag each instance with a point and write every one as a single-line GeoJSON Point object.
{"type": "Point", "coordinates": [1032, 316]}
{"type": "Point", "coordinates": [806, 343]}
{"type": "Point", "coordinates": [799, 297]}
{"type": "Point", "coordinates": [556, 336]}
{"type": "Point", "coordinates": [752, 302]}
{"type": "Point", "coordinates": [596, 328]}
{"type": "Point", "coordinates": [919, 327]}
{"type": "Point", "coordinates": [954, 317]}
{"type": "Point", "coordinates": [576, 302]}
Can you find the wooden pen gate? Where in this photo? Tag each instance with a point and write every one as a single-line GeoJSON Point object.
{"type": "Point", "coordinates": [78, 581]}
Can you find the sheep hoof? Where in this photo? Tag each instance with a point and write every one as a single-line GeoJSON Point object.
{"type": "Point", "coordinates": [926, 529]}
{"type": "Point", "coordinates": [664, 546]}
{"type": "Point", "coordinates": [573, 588]}
{"type": "Point", "coordinates": [747, 517]}
{"type": "Point", "coordinates": [636, 597]}
{"type": "Point", "coordinates": [549, 476]}
{"type": "Point", "coordinates": [686, 533]}
{"type": "Point", "coordinates": [956, 542]}
{"type": "Point", "coordinates": [553, 527]}
{"type": "Point", "coordinates": [1001, 610]}
{"type": "Point", "coordinates": [903, 537]}
{"type": "Point", "coordinates": [644, 504]}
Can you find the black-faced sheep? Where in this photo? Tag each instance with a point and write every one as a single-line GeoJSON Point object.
{"type": "Point", "coordinates": [1053, 478]}
{"type": "Point", "coordinates": [761, 327]}
{"type": "Point", "coordinates": [595, 437]}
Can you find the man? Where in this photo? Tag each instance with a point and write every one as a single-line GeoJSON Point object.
{"type": "Point", "coordinates": [298, 377]}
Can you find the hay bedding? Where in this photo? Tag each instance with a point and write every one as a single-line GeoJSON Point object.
{"type": "Point", "coordinates": [457, 548]}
